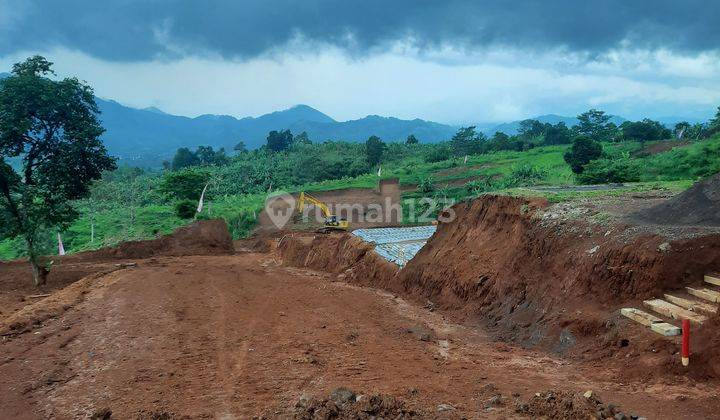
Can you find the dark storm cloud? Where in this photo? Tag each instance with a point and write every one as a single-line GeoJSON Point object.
{"type": "Point", "coordinates": [147, 29]}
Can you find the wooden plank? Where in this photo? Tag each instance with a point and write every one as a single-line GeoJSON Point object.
{"type": "Point", "coordinates": [639, 316]}
{"type": "Point", "coordinates": [673, 311]}
{"type": "Point", "coordinates": [691, 305]}
{"type": "Point", "coordinates": [713, 279]}
{"type": "Point", "coordinates": [666, 329]}
{"type": "Point", "coordinates": [707, 294]}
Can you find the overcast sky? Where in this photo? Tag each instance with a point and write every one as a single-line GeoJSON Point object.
{"type": "Point", "coordinates": [452, 61]}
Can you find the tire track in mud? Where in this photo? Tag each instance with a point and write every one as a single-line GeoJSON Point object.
{"type": "Point", "coordinates": [231, 361]}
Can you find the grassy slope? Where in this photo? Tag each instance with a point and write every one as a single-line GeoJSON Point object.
{"type": "Point", "coordinates": [675, 169]}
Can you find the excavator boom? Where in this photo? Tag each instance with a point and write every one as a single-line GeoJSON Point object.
{"type": "Point", "coordinates": [306, 199]}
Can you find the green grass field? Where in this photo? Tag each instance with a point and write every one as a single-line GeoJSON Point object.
{"type": "Point", "coordinates": [128, 205]}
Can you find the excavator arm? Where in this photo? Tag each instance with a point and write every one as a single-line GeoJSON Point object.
{"type": "Point", "coordinates": [306, 199]}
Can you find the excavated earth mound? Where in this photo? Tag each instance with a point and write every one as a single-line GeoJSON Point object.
{"type": "Point", "coordinates": [205, 237]}
{"type": "Point", "coordinates": [698, 206]}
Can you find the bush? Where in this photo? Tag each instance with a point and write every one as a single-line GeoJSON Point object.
{"type": "Point", "coordinates": [603, 171]}
{"type": "Point", "coordinates": [583, 150]}
{"type": "Point", "coordinates": [526, 175]}
{"type": "Point", "coordinates": [426, 185]}
{"type": "Point", "coordinates": [186, 184]}
{"type": "Point", "coordinates": [186, 209]}
{"type": "Point", "coordinates": [478, 186]}
{"type": "Point", "coordinates": [241, 225]}
{"type": "Point", "coordinates": [437, 153]}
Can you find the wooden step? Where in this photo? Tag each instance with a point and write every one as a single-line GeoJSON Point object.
{"type": "Point", "coordinates": [639, 316]}
{"type": "Point", "coordinates": [656, 324]}
{"type": "Point", "coordinates": [666, 329]}
{"type": "Point", "coordinates": [673, 311]}
{"type": "Point", "coordinates": [713, 279]}
{"type": "Point", "coordinates": [707, 294]}
{"type": "Point", "coordinates": [692, 305]}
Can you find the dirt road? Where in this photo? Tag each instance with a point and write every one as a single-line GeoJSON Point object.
{"type": "Point", "coordinates": [239, 336]}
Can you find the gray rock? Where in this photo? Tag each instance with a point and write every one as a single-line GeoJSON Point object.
{"type": "Point", "coordinates": [445, 407]}
{"type": "Point", "coordinates": [664, 247]}
{"type": "Point", "coordinates": [342, 396]}
{"type": "Point", "coordinates": [495, 400]}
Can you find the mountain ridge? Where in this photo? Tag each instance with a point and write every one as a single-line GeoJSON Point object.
{"type": "Point", "coordinates": [141, 136]}
{"type": "Point", "coordinates": [146, 137]}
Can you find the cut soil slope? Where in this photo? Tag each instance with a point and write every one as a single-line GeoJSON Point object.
{"type": "Point", "coordinates": [534, 281]}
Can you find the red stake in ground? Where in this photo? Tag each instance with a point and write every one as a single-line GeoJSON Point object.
{"type": "Point", "coordinates": [685, 342]}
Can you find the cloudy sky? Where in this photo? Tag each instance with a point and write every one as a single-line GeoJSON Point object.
{"type": "Point", "coordinates": [452, 61]}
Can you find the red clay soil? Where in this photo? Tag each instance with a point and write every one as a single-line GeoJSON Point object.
{"type": "Point", "coordinates": [496, 266]}
{"type": "Point", "coordinates": [239, 336]}
{"type": "Point", "coordinates": [660, 147]}
{"type": "Point", "coordinates": [201, 238]}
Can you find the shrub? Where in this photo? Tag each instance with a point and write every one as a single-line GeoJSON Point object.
{"type": "Point", "coordinates": [185, 184]}
{"type": "Point", "coordinates": [241, 225]}
{"type": "Point", "coordinates": [426, 185]}
{"type": "Point", "coordinates": [437, 153]}
{"type": "Point", "coordinates": [186, 209]}
{"type": "Point", "coordinates": [583, 150]}
{"type": "Point", "coordinates": [603, 171]}
{"type": "Point", "coordinates": [526, 175]}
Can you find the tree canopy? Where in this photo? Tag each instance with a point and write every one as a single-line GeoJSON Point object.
{"type": "Point", "coordinates": [52, 126]}
{"type": "Point", "coordinates": [596, 125]}
{"type": "Point", "coordinates": [583, 150]}
{"type": "Point", "coordinates": [467, 142]}
{"type": "Point", "coordinates": [277, 141]}
{"type": "Point", "coordinates": [374, 148]}
{"type": "Point", "coordinates": [645, 130]}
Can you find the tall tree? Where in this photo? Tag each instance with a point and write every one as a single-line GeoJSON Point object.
{"type": "Point", "coordinates": [681, 128]}
{"type": "Point", "coordinates": [52, 126]}
{"type": "Point", "coordinates": [374, 148]}
{"type": "Point", "coordinates": [558, 134]}
{"type": "Point", "coordinates": [594, 124]}
{"type": "Point", "coordinates": [714, 124]}
{"type": "Point", "coordinates": [240, 147]}
{"type": "Point", "coordinates": [208, 156]}
{"type": "Point", "coordinates": [302, 138]}
{"type": "Point", "coordinates": [467, 142]}
{"type": "Point", "coordinates": [531, 128]}
{"type": "Point", "coordinates": [411, 139]}
{"type": "Point", "coordinates": [277, 141]}
{"type": "Point", "coordinates": [645, 130]}
{"type": "Point", "coordinates": [184, 158]}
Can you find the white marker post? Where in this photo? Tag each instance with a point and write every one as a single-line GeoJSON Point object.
{"type": "Point", "coordinates": [61, 248]}
{"type": "Point", "coordinates": [201, 202]}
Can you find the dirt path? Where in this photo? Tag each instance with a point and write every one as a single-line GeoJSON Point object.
{"type": "Point", "coordinates": [237, 336]}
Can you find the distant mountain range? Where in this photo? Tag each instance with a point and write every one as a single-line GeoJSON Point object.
{"type": "Point", "coordinates": [146, 137]}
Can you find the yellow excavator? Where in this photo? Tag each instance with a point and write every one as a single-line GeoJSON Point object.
{"type": "Point", "coordinates": [332, 222]}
